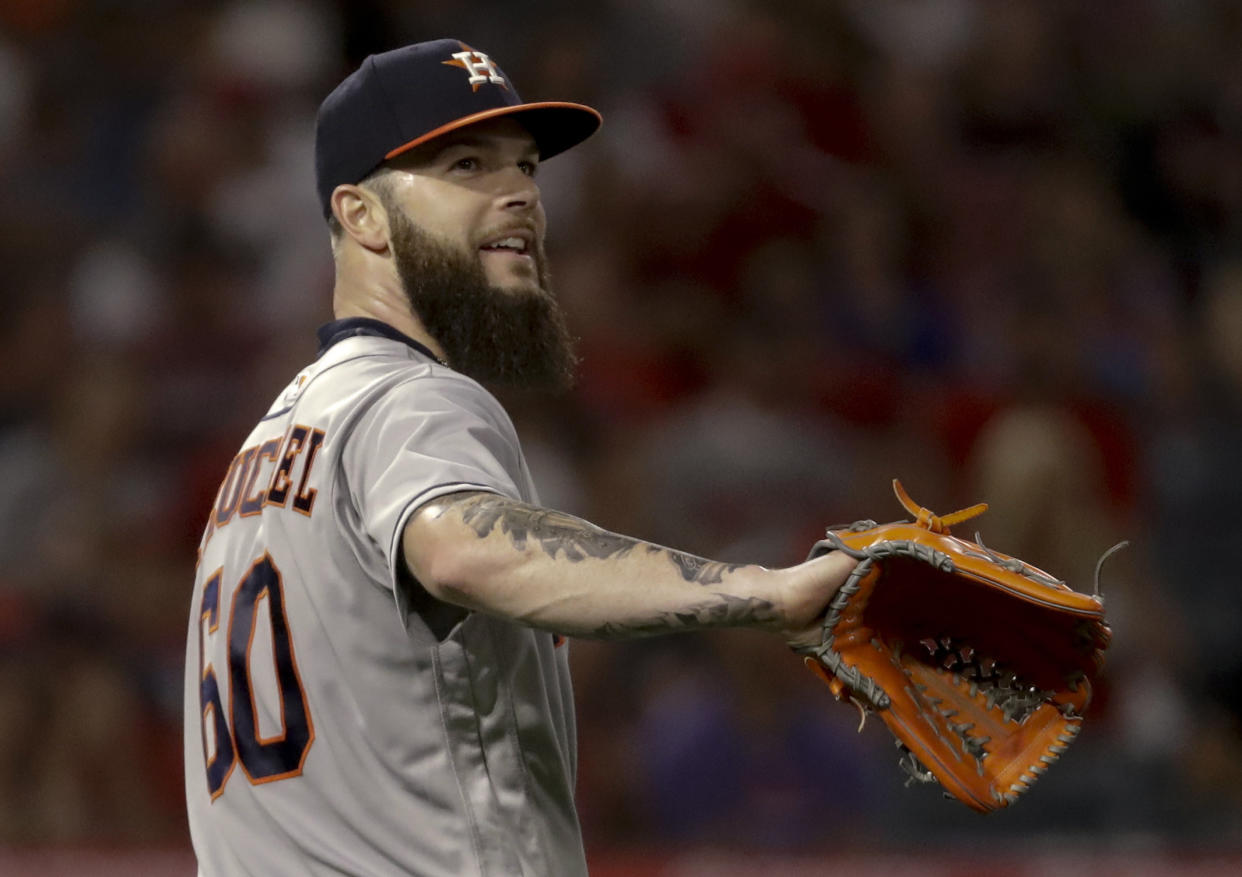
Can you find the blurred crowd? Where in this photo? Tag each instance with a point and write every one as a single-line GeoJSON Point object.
{"type": "Point", "coordinates": [990, 247]}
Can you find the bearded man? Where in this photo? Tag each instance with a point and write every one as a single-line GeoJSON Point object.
{"type": "Point", "coordinates": [378, 625]}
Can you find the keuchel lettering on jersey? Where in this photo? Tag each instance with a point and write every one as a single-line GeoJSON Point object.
{"type": "Point", "coordinates": [248, 487]}
{"type": "Point", "coordinates": [252, 501]}
{"type": "Point", "coordinates": [282, 480]}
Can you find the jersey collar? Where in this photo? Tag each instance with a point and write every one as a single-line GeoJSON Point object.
{"type": "Point", "coordinates": [338, 330]}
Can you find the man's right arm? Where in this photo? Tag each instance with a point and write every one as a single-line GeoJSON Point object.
{"type": "Point", "coordinates": [492, 554]}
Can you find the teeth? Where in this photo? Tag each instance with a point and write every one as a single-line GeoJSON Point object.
{"type": "Point", "coordinates": [512, 243]}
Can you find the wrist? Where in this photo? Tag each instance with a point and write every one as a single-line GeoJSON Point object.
{"type": "Point", "coordinates": [768, 590]}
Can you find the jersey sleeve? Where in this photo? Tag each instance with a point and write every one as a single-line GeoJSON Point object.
{"type": "Point", "coordinates": [424, 438]}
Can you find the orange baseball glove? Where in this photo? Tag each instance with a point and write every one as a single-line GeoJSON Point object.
{"type": "Point", "coordinates": [981, 665]}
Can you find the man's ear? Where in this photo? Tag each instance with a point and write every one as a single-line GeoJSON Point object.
{"type": "Point", "coordinates": [361, 215]}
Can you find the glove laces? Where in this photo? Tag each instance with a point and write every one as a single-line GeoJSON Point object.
{"type": "Point", "coordinates": [936, 523]}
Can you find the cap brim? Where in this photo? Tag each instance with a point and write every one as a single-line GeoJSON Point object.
{"type": "Point", "coordinates": [555, 125]}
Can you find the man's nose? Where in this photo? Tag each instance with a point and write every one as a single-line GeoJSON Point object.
{"type": "Point", "coordinates": [521, 192]}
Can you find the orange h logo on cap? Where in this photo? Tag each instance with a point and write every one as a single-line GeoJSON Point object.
{"type": "Point", "coordinates": [478, 65]}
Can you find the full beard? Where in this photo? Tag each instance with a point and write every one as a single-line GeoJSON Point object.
{"type": "Point", "coordinates": [513, 338]}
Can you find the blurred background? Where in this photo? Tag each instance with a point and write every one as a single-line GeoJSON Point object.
{"type": "Point", "coordinates": [991, 247]}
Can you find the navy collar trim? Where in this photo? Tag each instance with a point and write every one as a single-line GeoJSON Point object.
{"type": "Point", "coordinates": [338, 330]}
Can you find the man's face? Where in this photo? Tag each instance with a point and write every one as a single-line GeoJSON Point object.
{"type": "Point", "coordinates": [475, 189]}
{"type": "Point", "coordinates": [466, 232]}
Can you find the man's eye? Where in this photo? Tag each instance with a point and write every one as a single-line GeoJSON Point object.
{"type": "Point", "coordinates": [466, 164]}
{"type": "Point", "coordinates": [527, 167]}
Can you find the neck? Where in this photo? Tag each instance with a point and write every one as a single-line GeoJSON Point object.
{"type": "Point", "coordinates": [383, 301]}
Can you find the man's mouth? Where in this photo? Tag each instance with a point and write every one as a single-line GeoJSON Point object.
{"type": "Point", "coordinates": [518, 244]}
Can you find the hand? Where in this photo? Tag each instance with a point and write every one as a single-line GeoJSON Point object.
{"type": "Point", "coordinates": [804, 592]}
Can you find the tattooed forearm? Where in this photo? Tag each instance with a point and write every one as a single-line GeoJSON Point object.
{"type": "Point", "coordinates": [697, 569]}
{"type": "Point", "coordinates": [555, 571]}
{"type": "Point", "coordinates": [560, 534]}
{"type": "Point", "coordinates": [555, 532]}
{"type": "Point", "coordinates": [722, 611]}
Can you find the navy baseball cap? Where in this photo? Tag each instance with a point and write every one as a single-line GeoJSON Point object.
{"type": "Point", "coordinates": [396, 100]}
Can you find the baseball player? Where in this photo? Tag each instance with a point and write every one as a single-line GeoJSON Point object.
{"type": "Point", "coordinates": [376, 677]}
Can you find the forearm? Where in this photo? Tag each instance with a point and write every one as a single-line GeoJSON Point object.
{"type": "Point", "coordinates": [551, 570]}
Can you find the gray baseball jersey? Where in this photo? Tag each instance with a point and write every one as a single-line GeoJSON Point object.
{"type": "Point", "coordinates": [338, 719]}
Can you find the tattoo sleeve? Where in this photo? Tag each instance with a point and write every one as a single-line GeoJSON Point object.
{"type": "Point", "coordinates": [562, 536]}
{"type": "Point", "coordinates": [721, 610]}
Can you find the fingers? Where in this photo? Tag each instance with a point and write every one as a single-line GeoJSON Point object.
{"type": "Point", "coordinates": [812, 585]}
